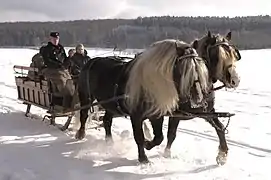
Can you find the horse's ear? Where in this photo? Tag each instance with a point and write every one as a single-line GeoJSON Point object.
{"type": "Point", "coordinates": [228, 36]}
{"type": "Point", "coordinates": [195, 44]}
{"type": "Point", "coordinates": [209, 34]}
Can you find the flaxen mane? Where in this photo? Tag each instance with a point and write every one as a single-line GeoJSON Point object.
{"type": "Point", "coordinates": [152, 76]}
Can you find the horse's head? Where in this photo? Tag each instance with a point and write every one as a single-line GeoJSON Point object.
{"type": "Point", "coordinates": [221, 56]}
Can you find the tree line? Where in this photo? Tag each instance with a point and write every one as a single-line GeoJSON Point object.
{"type": "Point", "coordinates": [251, 32]}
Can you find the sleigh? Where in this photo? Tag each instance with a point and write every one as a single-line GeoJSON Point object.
{"type": "Point", "coordinates": [40, 92]}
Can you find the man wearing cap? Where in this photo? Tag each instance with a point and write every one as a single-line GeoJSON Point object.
{"type": "Point", "coordinates": [56, 65]}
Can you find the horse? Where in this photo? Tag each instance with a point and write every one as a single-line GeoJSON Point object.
{"type": "Point", "coordinates": [221, 57]}
{"type": "Point", "coordinates": [146, 87]}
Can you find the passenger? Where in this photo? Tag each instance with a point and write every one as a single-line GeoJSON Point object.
{"type": "Point", "coordinates": [71, 53]}
{"type": "Point", "coordinates": [36, 62]}
{"type": "Point", "coordinates": [56, 65]}
{"type": "Point", "coordinates": [79, 59]}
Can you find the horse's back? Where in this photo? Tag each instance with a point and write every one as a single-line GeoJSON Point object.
{"type": "Point", "coordinates": [100, 75]}
{"type": "Point", "coordinates": [102, 64]}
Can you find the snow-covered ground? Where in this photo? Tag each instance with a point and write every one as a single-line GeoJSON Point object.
{"type": "Point", "coordinates": [33, 150]}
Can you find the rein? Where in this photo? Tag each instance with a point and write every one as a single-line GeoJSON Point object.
{"type": "Point", "coordinates": [218, 88]}
{"type": "Point", "coordinates": [194, 55]}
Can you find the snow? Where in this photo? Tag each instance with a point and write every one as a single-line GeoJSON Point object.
{"type": "Point", "coordinates": [33, 150]}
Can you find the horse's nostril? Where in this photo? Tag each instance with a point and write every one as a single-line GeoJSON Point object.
{"type": "Point", "coordinates": [233, 82]}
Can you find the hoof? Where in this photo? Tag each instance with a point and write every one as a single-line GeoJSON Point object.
{"type": "Point", "coordinates": [167, 153]}
{"type": "Point", "coordinates": [63, 128]}
{"type": "Point", "coordinates": [144, 162]}
{"type": "Point", "coordinates": [148, 145]}
{"type": "Point", "coordinates": [221, 158]}
{"type": "Point", "coordinates": [109, 141]}
{"type": "Point", "coordinates": [52, 123]}
{"type": "Point", "coordinates": [80, 135]}
{"type": "Point", "coordinates": [143, 159]}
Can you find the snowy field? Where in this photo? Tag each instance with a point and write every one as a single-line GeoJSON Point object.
{"type": "Point", "coordinates": [33, 150]}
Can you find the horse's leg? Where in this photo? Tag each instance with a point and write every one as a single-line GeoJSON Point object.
{"type": "Point", "coordinates": [81, 133]}
{"type": "Point", "coordinates": [157, 126]}
{"type": "Point", "coordinates": [107, 122]}
{"type": "Point", "coordinates": [84, 100]}
{"type": "Point", "coordinates": [139, 137]}
{"type": "Point", "coordinates": [221, 158]}
{"type": "Point", "coordinates": [171, 134]}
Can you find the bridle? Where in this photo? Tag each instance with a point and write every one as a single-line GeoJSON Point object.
{"type": "Point", "coordinates": [193, 55]}
{"type": "Point", "coordinates": [225, 45]}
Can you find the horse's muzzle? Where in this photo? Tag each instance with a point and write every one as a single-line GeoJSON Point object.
{"type": "Point", "coordinates": [232, 79]}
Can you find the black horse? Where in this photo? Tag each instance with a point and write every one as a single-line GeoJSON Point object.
{"type": "Point", "coordinates": [147, 87]}
{"type": "Point", "coordinates": [221, 57]}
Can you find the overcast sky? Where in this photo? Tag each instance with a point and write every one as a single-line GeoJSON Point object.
{"type": "Point", "coordinates": [55, 10]}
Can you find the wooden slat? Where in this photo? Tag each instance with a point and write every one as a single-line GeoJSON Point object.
{"type": "Point", "coordinates": [44, 82]}
{"type": "Point", "coordinates": [45, 88]}
{"type": "Point", "coordinates": [42, 99]}
{"type": "Point", "coordinates": [26, 93]}
{"type": "Point", "coordinates": [26, 68]}
{"type": "Point", "coordinates": [30, 83]}
{"type": "Point", "coordinates": [20, 92]}
{"type": "Point", "coordinates": [31, 95]}
{"type": "Point", "coordinates": [36, 97]}
{"type": "Point", "coordinates": [47, 100]}
{"type": "Point", "coordinates": [36, 87]}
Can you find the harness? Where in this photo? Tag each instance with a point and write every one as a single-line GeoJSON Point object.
{"type": "Point", "coordinates": [88, 85]}
{"type": "Point", "coordinates": [115, 98]}
{"type": "Point", "coordinates": [197, 83]}
{"type": "Point", "coordinates": [116, 86]}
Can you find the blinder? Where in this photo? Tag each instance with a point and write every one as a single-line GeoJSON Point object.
{"type": "Point", "coordinates": [227, 46]}
{"type": "Point", "coordinates": [237, 52]}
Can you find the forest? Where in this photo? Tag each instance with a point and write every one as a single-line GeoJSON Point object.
{"type": "Point", "coordinates": [252, 32]}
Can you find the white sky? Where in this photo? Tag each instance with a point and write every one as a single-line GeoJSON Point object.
{"type": "Point", "coordinates": [55, 10]}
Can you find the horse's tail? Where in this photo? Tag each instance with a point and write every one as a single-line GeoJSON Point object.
{"type": "Point", "coordinates": [76, 120]}
{"type": "Point", "coordinates": [94, 115]}
{"type": "Point", "coordinates": [147, 130]}
{"type": "Point", "coordinates": [84, 93]}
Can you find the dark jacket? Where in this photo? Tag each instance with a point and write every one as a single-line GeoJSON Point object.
{"type": "Point", "coordinates": [54, 56]}
{"type": "Point", "coordinates": [77, 62]}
